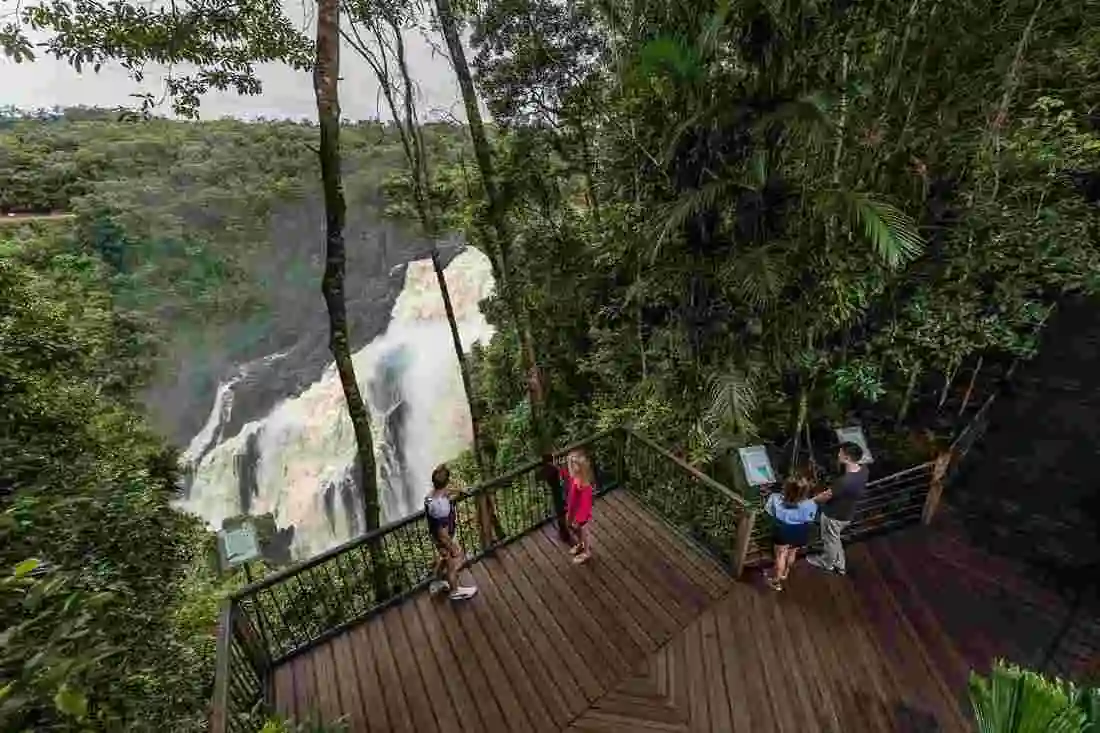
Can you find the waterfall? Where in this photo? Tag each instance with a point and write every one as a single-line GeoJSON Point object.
{"type": "Point", "coordinates": [298, 461]}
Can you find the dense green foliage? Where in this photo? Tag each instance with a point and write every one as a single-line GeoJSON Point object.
{"type": "Point", "coordinates": [101, 634]}
{"type": "Point", "coordinates": [186, 216]}
{"type": "Point", "coordinates": [714, 202]}
{"type": "Point", "coordinates": [170, 220]}
{"type": "Point", "coordinates": [1016, 700]}
{"type": "Point", "coordinates": [723, 220]}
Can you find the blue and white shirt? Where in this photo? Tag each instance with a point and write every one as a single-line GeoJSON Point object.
{"type": "Point", "coordinates": [802, 513]}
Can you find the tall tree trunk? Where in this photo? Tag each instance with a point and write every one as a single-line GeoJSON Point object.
{"type": "Point", "coordinates": [416, 156]}
{"type": "Point", "coordinates": [536, 388]}
{"type": "Point", "coordinates": [326, 75]}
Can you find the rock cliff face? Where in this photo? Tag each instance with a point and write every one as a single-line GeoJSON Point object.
{"type": "Point", "coordinates": [284, 347]}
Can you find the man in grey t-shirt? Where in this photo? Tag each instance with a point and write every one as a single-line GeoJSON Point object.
{"type": "Point", "coordinates": [838, 507]}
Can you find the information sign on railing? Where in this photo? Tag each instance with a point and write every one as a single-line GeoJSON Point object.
{"type": "Point", "coordinates": [238, 545]}
{"type": "Point", "coordinates": [756, 465]}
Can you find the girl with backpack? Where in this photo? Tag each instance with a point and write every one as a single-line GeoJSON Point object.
{"type": "Point", "coordinates": [439, 509]}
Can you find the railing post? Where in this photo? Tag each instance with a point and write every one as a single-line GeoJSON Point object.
{"type": "Point", "coordinates": [484, 519]}
{"type": "Point", "coordinates": [622, 440]}
{"type": "Point", "coordinates": [220, 712]}
{"type": "Point", "coordinates": [745, 524]}
{"type": "Point", "coordinates": [935, 489]}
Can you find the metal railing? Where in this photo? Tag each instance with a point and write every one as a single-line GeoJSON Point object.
{"type": "Point", "coordinates": [889, 502]}
{"type": "Point", "coordinates": [709, 513]}
{"type": "Point", "coordinates": [240, 680]}
{"type": "Point", "coordinates": [293, 610]}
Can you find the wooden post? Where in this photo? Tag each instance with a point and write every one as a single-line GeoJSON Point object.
{"type": "Point", "coordinates": [622, 439]}
{"type": "Point", "coordinates": [935, 490]}
{"type": "Point", "coordinates": [484, 520]}
{"type": "Point", "coordinates": [741, 541]}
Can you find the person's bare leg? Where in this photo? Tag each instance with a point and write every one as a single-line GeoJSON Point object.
{"type": "Point", "coordinates": [781, 563]}
{"type": "Point", "coordinates": [775, 579]}
{"type": "Point", "coordinates": [586, 548]}
{"type": "Point", "coordinates": [790, 556]}
{"type": "Point", "coordinates": [574, 539]}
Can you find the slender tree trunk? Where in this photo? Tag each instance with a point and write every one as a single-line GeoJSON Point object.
{"type": "Point", "coordinates": [536, 387]}
{"type": "Point", "coordinates": [587, 159]}
{"type": "Point", "coordinates": [326, 76]}
{"type": "Point", "coordinates": [416, 156]}
{"type": "Point", "coordinates": [970, 387]}
{"type": "Point", "coordinates": [907, 398]}
{"type": "Point", "coordinates": [326, 79]}
{"type": "Point", "coordinates": [1012, 79]}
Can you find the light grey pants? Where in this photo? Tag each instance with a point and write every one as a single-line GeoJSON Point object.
{"type": "Point", "coordinates": [830, 538]}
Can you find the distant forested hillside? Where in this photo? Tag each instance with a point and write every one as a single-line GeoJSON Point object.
{"type": "Point", "coordinates": [212, 230]}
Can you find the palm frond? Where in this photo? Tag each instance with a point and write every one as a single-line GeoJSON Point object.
{"type": "Point", "coordinates": [758, 170]}
{"type": "Point", "coordinates": [808, 117]}
{"type": "Point", "coordinates": [670, 55]}
{"type": "Point", "coordinates": [1014, 700]}
{"type": "Point", "coordinates": [710, 38]}
{"type": "Point", "coordinates": [690, 204]}
{"type": "Point", "coordinates": [755, 276]}
{"type": "Point", "coordinates": [891, 233]}
{"type": "Point", "coordinates": [732, 401]}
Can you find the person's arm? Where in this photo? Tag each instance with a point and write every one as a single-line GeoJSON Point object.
{"type": "Point", "coordinates": [824, 496]}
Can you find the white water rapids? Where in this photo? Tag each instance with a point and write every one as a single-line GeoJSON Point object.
{"type": "Point", "coordinates": [299, 458]}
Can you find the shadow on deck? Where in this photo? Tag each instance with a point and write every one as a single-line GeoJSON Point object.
{"type": "Point", "coordinates": [654, 635]}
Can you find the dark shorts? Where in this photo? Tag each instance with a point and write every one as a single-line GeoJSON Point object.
{"type": "Point", "coordinates": [793, 535]}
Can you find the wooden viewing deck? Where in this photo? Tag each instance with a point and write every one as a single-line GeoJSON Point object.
{"type": "Point", "coordinates": [655, 635]}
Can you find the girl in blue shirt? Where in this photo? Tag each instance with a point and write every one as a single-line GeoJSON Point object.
{"type": "Point", "coordinates": [793, 512]}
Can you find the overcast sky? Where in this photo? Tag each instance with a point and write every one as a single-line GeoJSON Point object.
{"type": "Point", "coordinates": [47, 82]}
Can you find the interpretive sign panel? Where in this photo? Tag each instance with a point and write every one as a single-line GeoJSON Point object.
{"type": "Point", "coordinates": [239, 545]}
{"type": "Point", "coordinates": [854, 434]}
{"type": "Point", "coordinates": [756, 465]}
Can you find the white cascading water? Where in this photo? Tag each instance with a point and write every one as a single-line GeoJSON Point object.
{"type": "Point", "coordinates": [305, 445]}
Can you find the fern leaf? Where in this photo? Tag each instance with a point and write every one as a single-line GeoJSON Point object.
{"type": "Point", "coordinates": [891, 233]}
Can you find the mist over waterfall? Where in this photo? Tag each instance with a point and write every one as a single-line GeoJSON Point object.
{"type": "Point", "coordinates": [298, 460]}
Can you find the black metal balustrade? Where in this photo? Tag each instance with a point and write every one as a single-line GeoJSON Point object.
{"type": "Point", "coordinates": [711, 514]}
{"type": "Point", "coordinates": [291, 611]}
{"type": "Point", "coordinates": [889, 502]}
{"type": "Point", "coordinates": [288, 612]}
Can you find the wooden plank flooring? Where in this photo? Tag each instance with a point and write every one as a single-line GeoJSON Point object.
{"type": "Point", "coordinates": [652, 635]}
{"type": "Point", "coordinates": [542, 641]}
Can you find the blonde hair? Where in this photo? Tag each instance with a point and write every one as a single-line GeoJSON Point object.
{"type": "Point", "coordinates": [581, 467]}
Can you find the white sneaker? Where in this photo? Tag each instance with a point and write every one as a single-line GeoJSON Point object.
{"type": "Point", "coordinates": [463, 592]}
{"type": "Point", "coordinates": [438, 586]}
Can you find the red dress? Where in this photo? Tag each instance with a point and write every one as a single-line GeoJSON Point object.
{"type": "Point", "coordinates": [578, 499]}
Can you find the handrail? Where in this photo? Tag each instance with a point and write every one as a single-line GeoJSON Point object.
{"type": "Point", "coordinates": [343, 548]}
{"type": "Point", "coordinates": [898, 474]}
{"type": "Point", "coordinates": [695, 473]}
{"type": "Point", "coordinates": [292, 610]}
{"type": "Point", "coordinates": [703, 511]}
{"type": "Point", "coordinates": [891, 501]}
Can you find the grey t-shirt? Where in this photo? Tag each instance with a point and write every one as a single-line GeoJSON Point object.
{"type": "Point", "coordinates": [846, 493]}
